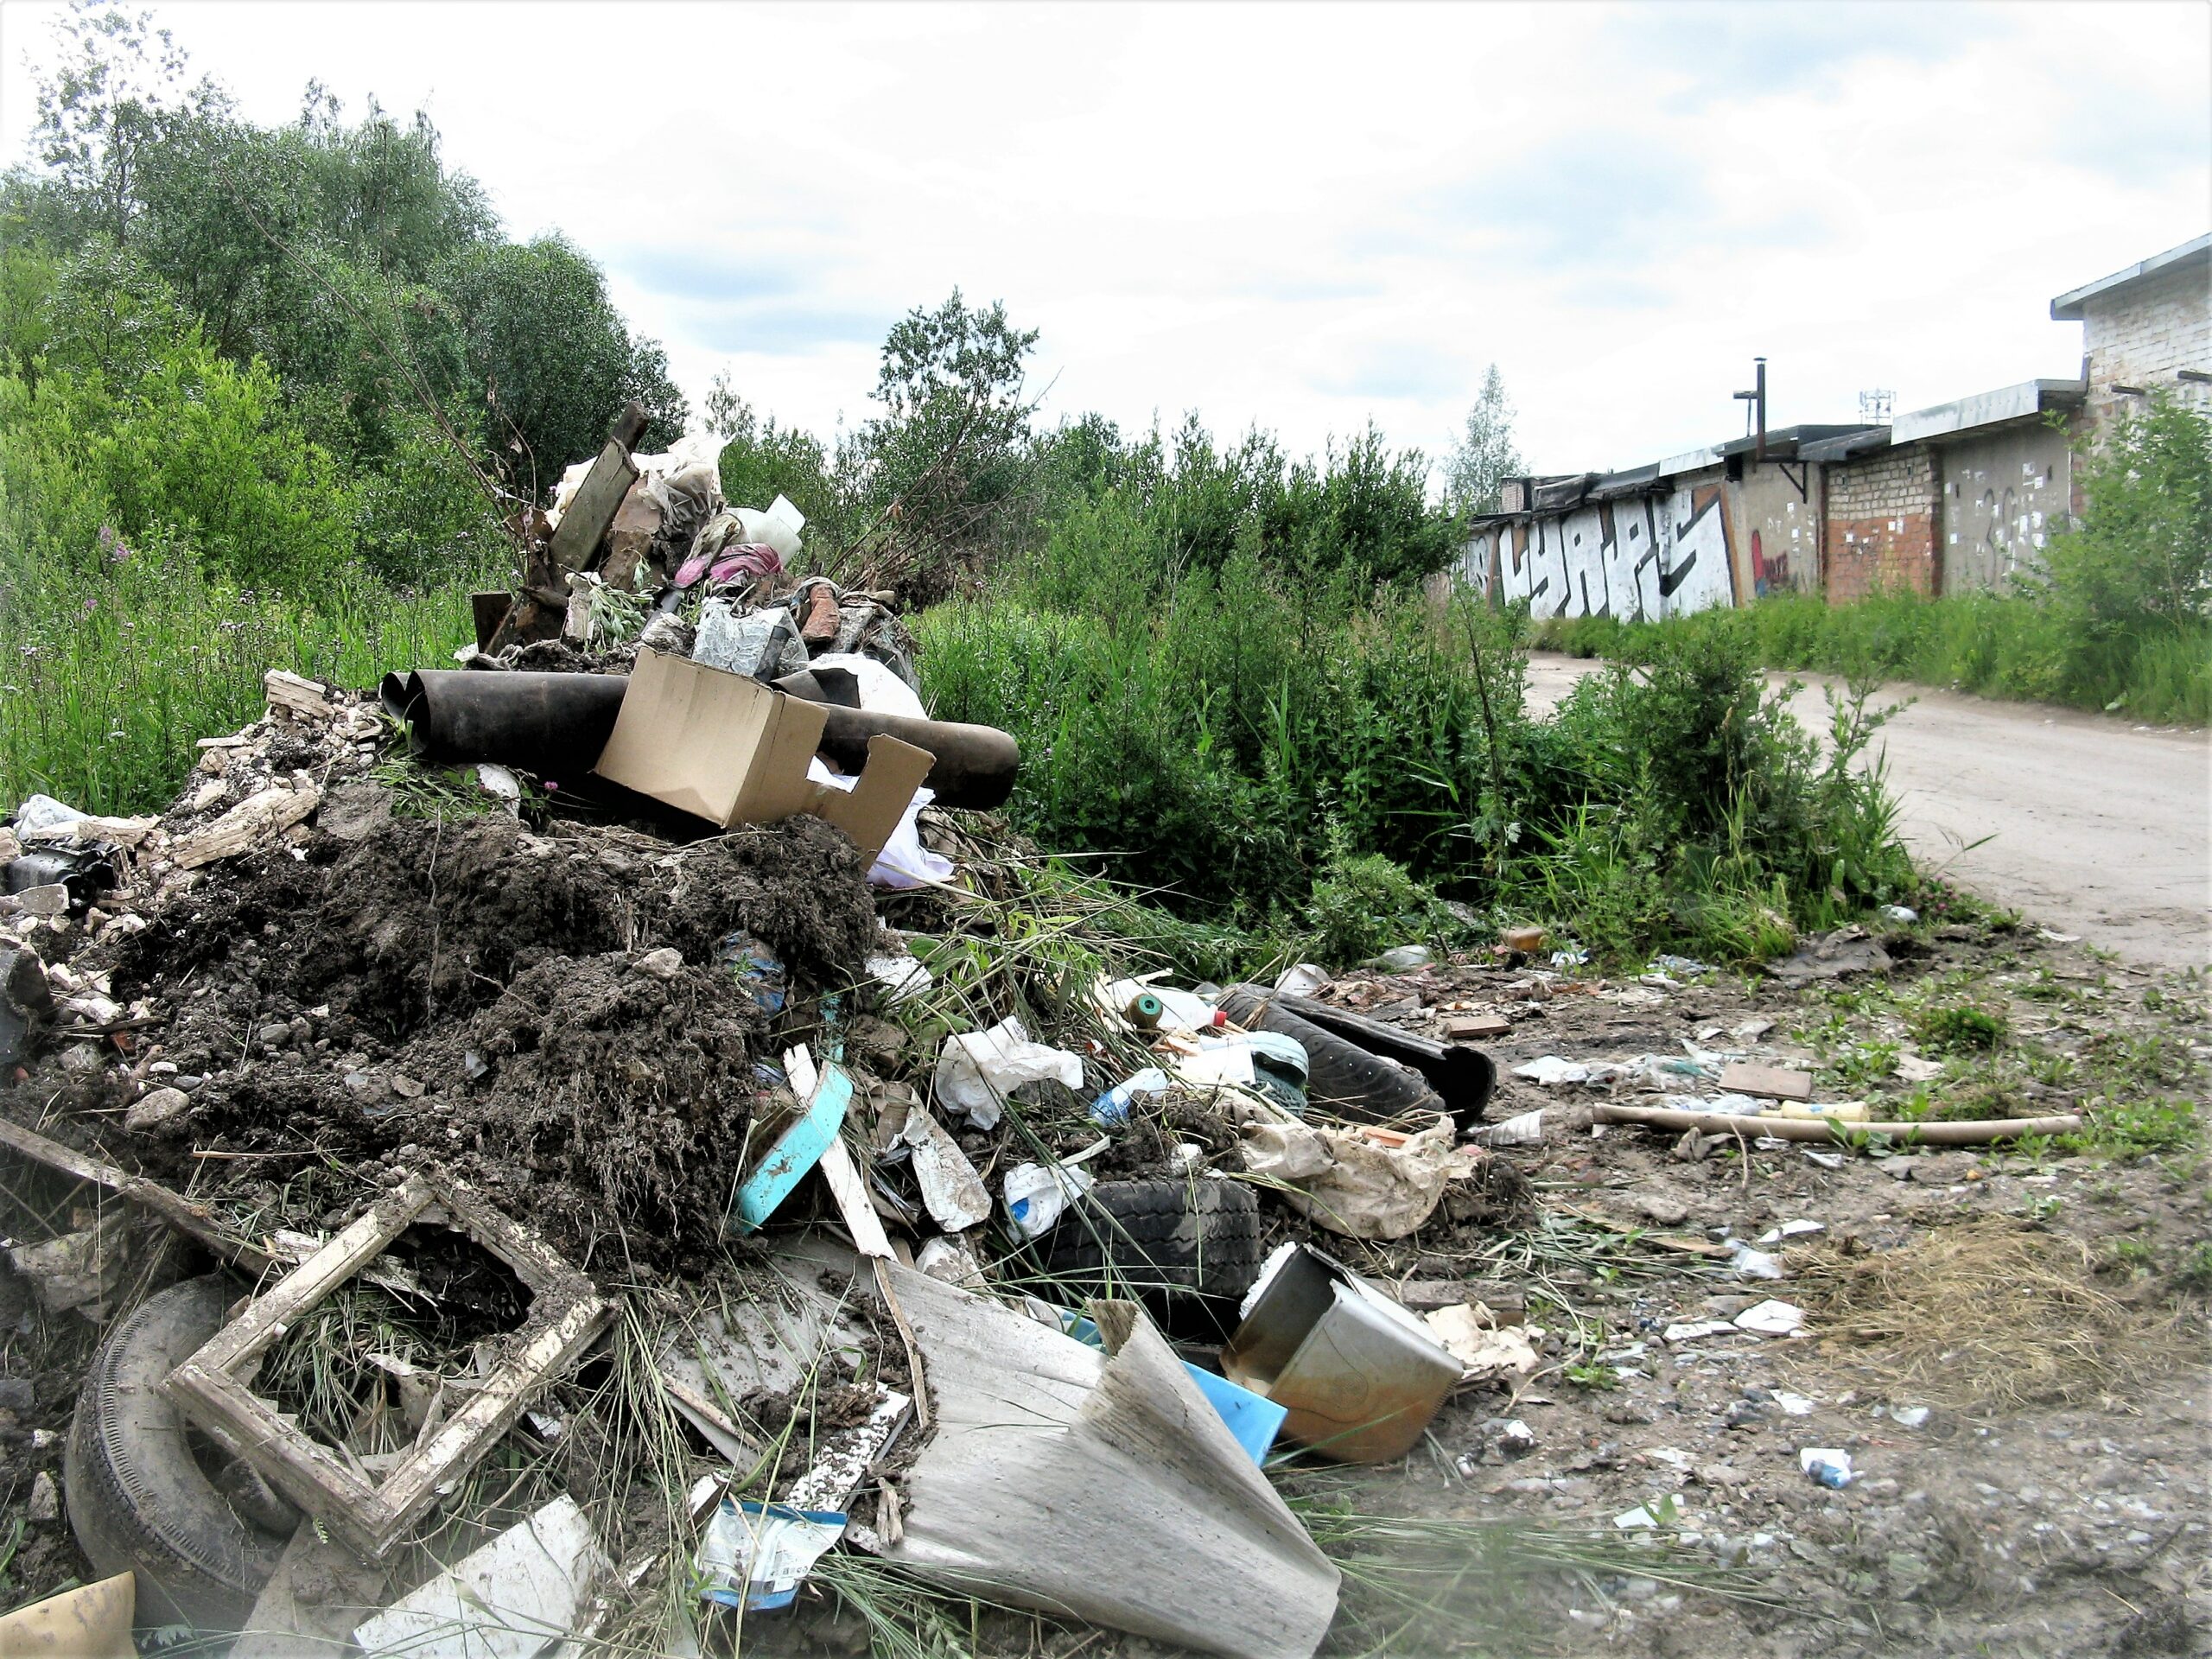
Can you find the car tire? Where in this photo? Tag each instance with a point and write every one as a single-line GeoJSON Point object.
{"type": "Point", "coordinates": [1188, 1249]}
{"type": "Point", "coordinates": [142, 1499]}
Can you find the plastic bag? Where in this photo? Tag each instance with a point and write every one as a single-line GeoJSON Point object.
{"type": "Point", "coordinates": [977, 1069]}
{"type": "Point", "coordinates": [1351, 1185]}
{"type": "Point", "coordinates": [1037, 1197]}
{"type": "Point", "coordinates": [882, 692]}
{"type": "Point", "coordinates": [779, 526]}
{"type": "Point", "coordinates": [764, 643]}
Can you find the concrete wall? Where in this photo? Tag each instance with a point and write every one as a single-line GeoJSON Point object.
{"type": "Point", "coordinates": [1640, 558]}
{"type": "Point", "coordinates": [1773, 522]}
{"type": "Point", "coordinates": [2139, 335]}
{"type": "Point", "coordinates": [2003, 493]}
{"type": "Point", "coordinates": [1883, 512]}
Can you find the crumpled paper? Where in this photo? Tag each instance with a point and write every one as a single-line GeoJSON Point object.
{"type": "Point", "coordinates": [977, 1069]}
{"type": "Point", "coordinates": [1351, 1185]}
{"type": "Point", "coordinates": [1483, 1348]}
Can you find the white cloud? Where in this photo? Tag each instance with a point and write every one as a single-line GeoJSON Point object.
{"type": "Point", "coordinates": [1307, 216]}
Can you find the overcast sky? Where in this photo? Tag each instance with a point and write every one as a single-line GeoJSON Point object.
{"type": "Point", "coordinates": [1307, 216]}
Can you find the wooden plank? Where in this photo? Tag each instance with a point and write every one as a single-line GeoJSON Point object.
{"type": "Point", "coordinates": [1464, 1027]}
{"type": "Point", "coordinates": [211, 1386]}
{"type": "Point", "coordinates": [1770, 1082]}
{"type": "Point", "coordinates": [186, 1217]}
{"type": "Point", "coordinates": [592, 509]}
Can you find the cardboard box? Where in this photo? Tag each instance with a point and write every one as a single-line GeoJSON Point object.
{"type": "Point", "coordinates": [730, 750]}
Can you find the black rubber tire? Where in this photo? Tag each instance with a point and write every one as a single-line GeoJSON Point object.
{"type": "Point", "coordinates": [139, 1501]}
{"type": "Point", "coordinates": [1189, 1249]}
{"type": "Point", "coordinates": [1341, 1077]}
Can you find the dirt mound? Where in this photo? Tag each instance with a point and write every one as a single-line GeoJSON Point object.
{"type": "Point", "coordinates": [618, 1100]}
{"type": "Point", "coordinates": [468, 996]}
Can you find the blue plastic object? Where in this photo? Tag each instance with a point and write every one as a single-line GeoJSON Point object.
{"type": "Point", "coordinates": [1254, 1419]}
{"type": "Point", "coordinates": [796, 1150]}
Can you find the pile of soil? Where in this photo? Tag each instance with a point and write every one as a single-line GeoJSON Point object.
{"type": "Point", "coordinates": [475, 998]}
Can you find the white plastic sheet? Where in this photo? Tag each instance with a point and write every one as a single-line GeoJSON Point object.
{"type": "Point", "coordinates": [977, 1069]}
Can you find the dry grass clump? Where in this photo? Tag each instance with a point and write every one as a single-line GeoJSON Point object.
{"type": "Point", "coordinates": [1986, 1315]}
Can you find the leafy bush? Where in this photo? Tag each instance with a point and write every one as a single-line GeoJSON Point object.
{"type": "Point", "coordinates": [1232, 739]}
{"type": "Point", "coordinates": [1363, 905]}
{"type": "Point", "coordinates": [1958, 1027]}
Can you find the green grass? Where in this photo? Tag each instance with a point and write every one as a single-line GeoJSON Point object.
{"type": "Point", "coordinates": [1997, 645]}
{"type": "Point", "coordinates": [105, 685]}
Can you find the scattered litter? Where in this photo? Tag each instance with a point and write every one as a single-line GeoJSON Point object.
{"type": "Point", "coordinates": [1902, 915]}
{"type": "Point", "coordinates": [1044, 1486]}
{"type": "Point", "coordinates": [755, 1556]}
{"type": "Point", "coordinates": [1833, 956]}
{"type": "Point", "coordinates": [1111, 1109]}
{"type": "Point", "coordinates": [1697, 1330]}
{"type": "Point", "coordinates": [902, 977]}
{"type": "Point", "coordinates": [1526, 1129]}
{"type": "Point", "coordinates": [1576, 958]}
{"type": "Point", "coordinates": [1351, 1183]}
{"type": "Point", "coordinates": [1908, 1416]}
{"type": "Point", "coordinates": [1484, 1350]}
{"type": "Point", "coordinates": [1828, 1465]}
{"type": "Point", "coordinates": [1772, 1082]}
{"type": "Point", "coordinates": [92, 1621]}
{"type": "Point", "coordinates": [1748, 1263]}
{"type": "Point", "coordinates": [1550, 1071]}
{"type": "Point", "coordinates": [797, 1144]}
{"type": "Point", "coordinates": [1795, 1405]}
{"type": "Point", "coordinates": [952, 1191]}
{"type": "Point", "coordinates": [1037, 1197]}
{"type": "Point", "coordinates": [1302, 978]}
{"type": "Point", "coordinates": [1360, 1377]}
{"type": "Point", "coordinates": [1792, 1230]}
{"type": "Point", "coordinates": [1401, 959]}
{"type": "Point", "coordinates": [1918, 1068]}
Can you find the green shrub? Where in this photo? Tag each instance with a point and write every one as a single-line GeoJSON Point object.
{"type": "Point", "coordinates": [1363, 905]}
{"type": "Point", "coordinates": [1958, 1027]}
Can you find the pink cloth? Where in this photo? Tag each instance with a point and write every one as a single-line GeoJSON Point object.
{"type": "Point", "coordinates": [755, 559]}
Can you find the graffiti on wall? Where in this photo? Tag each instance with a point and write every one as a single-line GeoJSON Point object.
{"type": "Point", "coordinates": [1637, 559]}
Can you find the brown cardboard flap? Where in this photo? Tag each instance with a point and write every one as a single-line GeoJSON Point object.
{"type": "Point", "coordinates": [727, 748]}
{"type": "Point", "coordinates": [871, 810]}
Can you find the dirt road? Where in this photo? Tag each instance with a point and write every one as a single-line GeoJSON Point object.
{"type": "Point", "coordinates": [2086, 823]}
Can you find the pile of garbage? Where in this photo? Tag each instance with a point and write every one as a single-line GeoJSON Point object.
{"type": "Point", "coordinates": [536, 1129]}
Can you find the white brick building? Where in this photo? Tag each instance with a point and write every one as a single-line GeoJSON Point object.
{"type": "Point", "coordinates": [2146, 328]}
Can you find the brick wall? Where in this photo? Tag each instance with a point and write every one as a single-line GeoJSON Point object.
{"type": "Point", "coordinates": [2140, 335]}
{"type": "Point", "coordinates": [1882, 519]}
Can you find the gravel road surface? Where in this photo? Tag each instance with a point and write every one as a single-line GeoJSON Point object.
{"type": "Point", "coordinates": [2088, 823]}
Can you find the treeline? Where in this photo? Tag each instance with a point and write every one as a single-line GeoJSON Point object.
{"type": "Point", "coordinates": [270, 397]}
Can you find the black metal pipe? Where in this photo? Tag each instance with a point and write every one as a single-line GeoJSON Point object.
{"type": "Point", "coordinates": [554, 725]}
{"type": "Point", "coordinates": [557, 724]}
{"type": "Point", "coordinates": [975, 765]}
